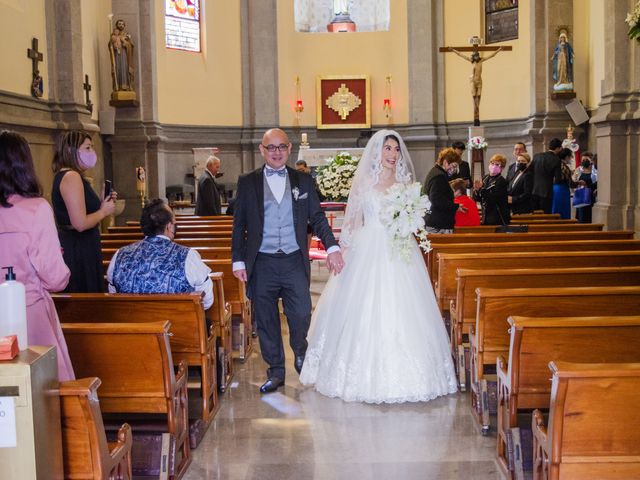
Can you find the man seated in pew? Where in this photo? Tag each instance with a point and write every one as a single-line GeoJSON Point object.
{"type": "Point", "coordinates": [156, 264]}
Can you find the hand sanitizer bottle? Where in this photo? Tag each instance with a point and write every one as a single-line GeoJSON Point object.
{"type": "Point", "coordinates": [13, 309]}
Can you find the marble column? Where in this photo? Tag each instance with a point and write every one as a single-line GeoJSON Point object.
{"type": "Point", "coordinates": [617, 124]}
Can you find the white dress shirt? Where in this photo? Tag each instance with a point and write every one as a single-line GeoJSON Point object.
{"type": "Point", "coordinates": [196, 272]}
{"type": "Point", "coordinates": [278, 185]}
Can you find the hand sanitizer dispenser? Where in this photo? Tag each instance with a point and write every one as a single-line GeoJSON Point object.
{"type": "Point", "coordinates": [13, 309]}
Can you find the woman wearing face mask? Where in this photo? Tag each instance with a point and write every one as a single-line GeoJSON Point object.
{"type": "Point", "coordinates": [521, 185]}
{"type": "Point", "coordinates": [491, 191]}
{"type": "Point", "coordinates": [442, 216]}
{"type": "Point", "coordinates": [78, 211]}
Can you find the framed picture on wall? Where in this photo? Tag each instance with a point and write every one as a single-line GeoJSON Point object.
{"type": "Point", "coordinates": [343, 101]}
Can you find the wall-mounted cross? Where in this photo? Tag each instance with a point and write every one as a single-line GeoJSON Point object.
{"type": "Point", "coordinates": [87, 88]}
{"type": "Point", "coordinates": [36, 57]}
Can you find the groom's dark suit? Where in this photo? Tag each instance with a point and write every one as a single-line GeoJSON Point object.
{"type": "Point", "coordinates": [278, 275]}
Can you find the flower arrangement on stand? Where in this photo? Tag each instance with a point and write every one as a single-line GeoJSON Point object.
{"type": "Point", "coordinates": [633, 20]}
{"type": "Point", "coordinates": [402, 212]}
{"type": "Point", "coordinates": [477, 143]}
{"type": "Point", "coordinates": [334, 179]}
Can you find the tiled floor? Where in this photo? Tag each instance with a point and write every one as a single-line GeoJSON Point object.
{"type": "Point", "coordinates": [298, 434]}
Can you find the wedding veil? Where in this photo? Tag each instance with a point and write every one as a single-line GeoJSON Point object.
{"type": "Point", "coordinates": [367, 176]}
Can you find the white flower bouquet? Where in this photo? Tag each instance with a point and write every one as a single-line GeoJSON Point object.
{"type": "Point", "coordinates": [633, 20]}
{"type": "Point", "coordinates": [402, 212]}
{"type": "Point", "coordinates": [334, 179]}
{"type": "Point", "coordinates": [478, 143]}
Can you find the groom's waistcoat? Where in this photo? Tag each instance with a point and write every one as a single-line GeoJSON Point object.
{"type": "Point", "coordinates": [278, 233]}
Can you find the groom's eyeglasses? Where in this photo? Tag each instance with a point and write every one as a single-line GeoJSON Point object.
{"type": "Point", "coordinates": [283, 147]}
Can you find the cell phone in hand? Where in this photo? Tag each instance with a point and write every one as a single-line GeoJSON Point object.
{"type": "Point", "coordinates": [107, 189]}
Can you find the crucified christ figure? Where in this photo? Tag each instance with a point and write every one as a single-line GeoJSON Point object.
{"type": "Point", "coordinates": [476, 77]}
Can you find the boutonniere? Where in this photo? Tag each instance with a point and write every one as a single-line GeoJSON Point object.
{"type": "Point", "coordinates": [296, 193]}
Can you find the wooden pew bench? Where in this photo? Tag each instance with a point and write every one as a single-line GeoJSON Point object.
{"type": "Point", "coordinates": [85, 451]}
{"type": "Point", "coordinates": [190, 341]}
{"type": "Point", "coordinates": [487, 237]}
{"type": "Point", "coordinates": [207, 253]}
{"type": "Point", "coordinates": [135, 236]}
{"type": "Point", "coordinates": [220, 315]}
{"type": "Point", "coordinates": [536, 246]}
{"type": "Point", "coordinates": [536, 227]}
{"type": "Point", "coordinates": [535, 216]}
{"type": "Point", "coordinates": [134, 363]}
{"type": "Point", "coordinates": [182, 230]}
{"type": "Point", "coordinates": [235, 293]}
{"type": "Point", "coordinates": [523, 378]}
{"type": "Point", "coordinates": [463, 309]}
{"type": "Point", "coordinates": [594, 426]}
{"type": "Point", "coordinates": [187, 242]}
{"type": "Point", "coordinates": [446, 286]}
{"type": "Point", "coordinates": [490, 337]}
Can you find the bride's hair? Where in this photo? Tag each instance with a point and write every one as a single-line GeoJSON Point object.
{"type": "Point", "coordinates": [368, 175]}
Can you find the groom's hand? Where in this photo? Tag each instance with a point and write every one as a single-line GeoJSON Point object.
{"type": "Point", "coordinates": [240, 275]}
{"type": "Point", "coordinates": [335, 263]}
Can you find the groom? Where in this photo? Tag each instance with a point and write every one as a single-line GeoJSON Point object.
{"type": "Point", "coordinates": [273, 207]}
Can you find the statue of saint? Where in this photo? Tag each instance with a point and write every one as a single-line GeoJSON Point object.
{"type": "Point", "coordinates": [572, 144]}
{"type": "Point", "coordinates": [563, 65]}
{"type": "Point", "coordinates": [476, 77]}
{"type": "Point", "coordinates": [121, 52]}
{"type": "Point", "coordinates": [341, 7]}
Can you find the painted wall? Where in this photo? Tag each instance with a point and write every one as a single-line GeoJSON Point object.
{"type": "Point", "coordinates": [202, 88]}
{"type": "Point", "coordinates": [505, 77]}
{"type": "Point", "coordinates": [589, 28]}
{"type": "Point", "coordinates": [20, 22]}
{"type": "Point", "coordinates": [377, 54]}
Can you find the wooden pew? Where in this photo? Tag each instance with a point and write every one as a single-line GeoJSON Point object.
{"type": "Point", "coordinates": [85, 451]}
{"type": "Point", "coordinates": [220, 314]}
{"type": "Point", "coordinates": [490, 337]}
{"type": "Point", "coordinates": [543, 221]}
{"type": "Point", "coordinates": [190, 341]}
{"type": "Point", "coordinates": [536, 216]}
{"type": "Point", "coordinates": [536, 228]}
{"type": "Point", "coordinates": [135, 236]}
{"type": "Point", "coordinates": [530, 237]}
{"type": "Point", "coordinates": [236, 295]}
{"type": "Point", "coordinates": [182, 230]}
{"type": "Point", "coordinates": [594, 426]}
{"type": "Point", "coordinates": [463, 308]}
{"type": "Point", "coordinates": [536, 246]}
{"type": "Point", "coordinates": [134, 362]}
{"type": "Point", "coordinates": [523, 379]}
{"type": "Point", "coordinates": [446, 284]}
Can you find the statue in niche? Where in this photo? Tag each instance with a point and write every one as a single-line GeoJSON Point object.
{"type": "Point", "coordinates": [121, 52]}
{"type": "Point", "coordinates": [341, 21]}
{"type": "Point", "coordinates": [563, 64]}
{"type": "Point", "coordinates": [341, 7]}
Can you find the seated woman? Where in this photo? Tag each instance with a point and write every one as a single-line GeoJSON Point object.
{"type": "Point", "coordinates": [467, 214]}
{"type": "Point", "coordinates": [521, 185]}
{"type": "Point", "coordinates": [491, 191]}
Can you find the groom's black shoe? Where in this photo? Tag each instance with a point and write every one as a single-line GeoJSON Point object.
{"type": "Point", "coordinates": [271, 385]}
{"type": "Point", "coordinates": [298, 362]}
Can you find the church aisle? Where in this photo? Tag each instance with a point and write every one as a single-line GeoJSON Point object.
{"type": "Point", "coordinates": [298, 434]}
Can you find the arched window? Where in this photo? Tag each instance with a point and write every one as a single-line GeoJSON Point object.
{"type": "Point", "coordinates": [316, 15]}
{"type": "Point", "coordinates": [182, 24]}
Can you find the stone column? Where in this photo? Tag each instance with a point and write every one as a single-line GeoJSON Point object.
{"type": "Point", "coordinates": [617, 124]}
{"type": "Point", "coordinates": [137, 132]}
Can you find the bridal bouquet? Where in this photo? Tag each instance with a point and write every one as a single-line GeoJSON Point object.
{"type": "Point", "coordinates": [633, 20]}
{"type": "Point", "coordinates": [402, 212]}
{"type": "Point", "coordinates": [334, 179]}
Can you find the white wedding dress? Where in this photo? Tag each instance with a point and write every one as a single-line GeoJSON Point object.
{"type": "Point", "coordinates": [377, 334]}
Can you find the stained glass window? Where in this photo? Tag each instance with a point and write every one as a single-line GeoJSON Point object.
{"type": "Point", "coordinates": [182, 24]}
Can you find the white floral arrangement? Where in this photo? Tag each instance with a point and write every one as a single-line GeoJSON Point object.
{"type": "Point", "coordinates": [334, 179]}
{"type": "Point", "coordinates": [633, 20]}
{"type": "Point", "coordinates": [402, 212]}
{"type": "Point", "coordinates": [478, 143]}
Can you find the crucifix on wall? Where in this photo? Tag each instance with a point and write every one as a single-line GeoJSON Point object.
{"type": "Point", "coordinates": [87, 88]}
{"type": "Point", "coordinates": [36, 57]}
{"type": "Point", "coordinates": [476, 61]}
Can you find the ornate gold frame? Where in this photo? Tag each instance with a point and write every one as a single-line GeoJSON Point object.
{"type": "Point", "coordinates": [350, 80]}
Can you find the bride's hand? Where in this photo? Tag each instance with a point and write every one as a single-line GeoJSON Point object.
{"type": "Point", "coordinates": [335, 263]}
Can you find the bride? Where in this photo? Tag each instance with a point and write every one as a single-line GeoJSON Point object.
{"type": "Point", "coordinates": [376, 333]}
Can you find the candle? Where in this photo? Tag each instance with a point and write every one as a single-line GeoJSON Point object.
{"type": "Point", "coordinates": [304, 138]}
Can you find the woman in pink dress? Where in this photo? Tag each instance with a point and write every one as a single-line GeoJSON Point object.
{"type": "Point", "coordinates": [29, 242]}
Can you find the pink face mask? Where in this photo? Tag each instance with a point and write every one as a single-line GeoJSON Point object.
{"type": "Point", "coordinates": [87, 159]}
{"type": "Point", "coordinates": [494, 170]}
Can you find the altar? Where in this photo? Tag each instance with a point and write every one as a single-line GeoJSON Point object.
{"type": "Point", "coordinates": [316, 157]}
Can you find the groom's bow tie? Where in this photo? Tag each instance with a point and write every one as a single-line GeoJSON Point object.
{"type": "Point", "coordinates": [270, 171]}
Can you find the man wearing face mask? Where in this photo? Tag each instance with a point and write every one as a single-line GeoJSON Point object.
{"type": "Point", "coordinates": [518, 149]}
{"type": "Point", "coordinates": [492, 192]}
{"type": "Point", "coordinates": [520, 186]}
{"type": "Point", "coordinates": [156, 264]}
{"type": "Point", "coordinates": [442, 215]}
